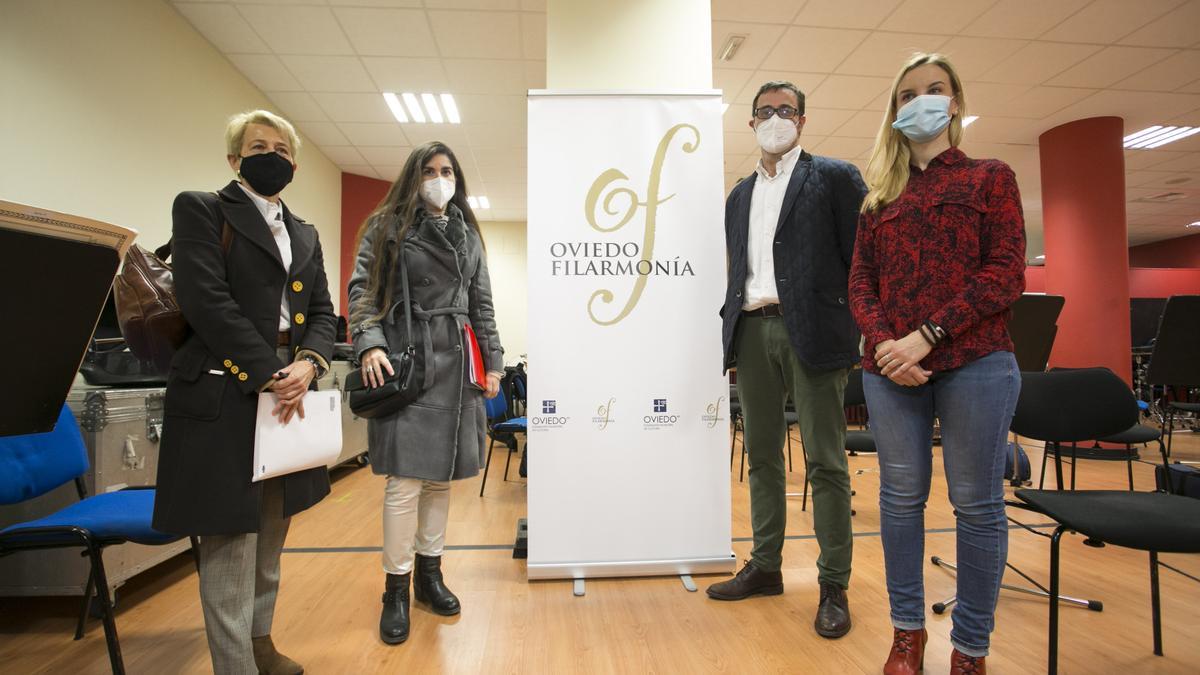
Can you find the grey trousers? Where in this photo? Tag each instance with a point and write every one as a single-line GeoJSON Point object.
{"type": "Point", "coordinates": [239, 578]}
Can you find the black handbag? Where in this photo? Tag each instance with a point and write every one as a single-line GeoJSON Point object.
{"type": "Point", "coordinates": [405, 383]}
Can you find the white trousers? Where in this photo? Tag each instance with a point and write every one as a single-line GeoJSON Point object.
{"type": "Point", "coordinates": [415, 513]}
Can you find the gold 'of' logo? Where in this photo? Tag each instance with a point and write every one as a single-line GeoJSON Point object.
{"type": "Point", "coordinates": [604, 414]}
{"type": "Point", "coordinates": [714, 412]}
{"type": "Point", "coordinates": [598, 194]}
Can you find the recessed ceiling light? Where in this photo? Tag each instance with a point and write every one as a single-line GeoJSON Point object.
{"type": "Point", "coordinates": [414, 107]}
{"type": "Point", "coordinates": [1040, 257]}
{"type": "Point", "coordinates": [451, 109]}
{"type": "Point", "coordinates": [968, 120]}
{"type": "Point", "coordinates": [724, 107]}
{"type": "Point", "coordinates": [395, 106]}
{"type": "Point", "coordinates": [431, 107]}
{"type": "Point", "coordinates": [1156, 136]}
{"type": "Point", "coordinates": [474, 203]}
{"type": "Point", "coordinates": [411, 109]}
{"type": "Point", "coordinates": [484, 203]}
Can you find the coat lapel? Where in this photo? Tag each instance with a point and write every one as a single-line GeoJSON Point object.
{"type": "Point", "coordinates": [795, 186]}
{"type": "Point", "coordinates": [244, 217]}
{"type": "Point", "coordinates": [304, 239]}
{"type": "Point", "coordinates": [742, 216]}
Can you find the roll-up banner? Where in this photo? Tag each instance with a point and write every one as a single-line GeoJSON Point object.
{"type": "Point", "coordinates": [629, 431]}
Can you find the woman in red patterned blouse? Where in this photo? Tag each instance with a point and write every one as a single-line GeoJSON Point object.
{"type": "Point", "coordinates": [940, 257]}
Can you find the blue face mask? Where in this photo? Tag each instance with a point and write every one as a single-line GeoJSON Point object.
{"type": "Point", "coordinates": [923, 118]}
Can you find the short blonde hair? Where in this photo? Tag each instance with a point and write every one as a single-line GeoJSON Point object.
{"type": "Point", "coordinates": [235, 131]}
{"type": "Point", "coordinates": [887, 169]}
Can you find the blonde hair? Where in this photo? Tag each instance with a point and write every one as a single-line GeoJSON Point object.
{"type": "Point", "coordinates": [887, 170]}
{"type": "Point", "coordinates": [235, 130]}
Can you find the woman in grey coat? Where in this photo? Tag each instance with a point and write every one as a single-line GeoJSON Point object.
{"type": "Point", "coordinates": [439, 437]}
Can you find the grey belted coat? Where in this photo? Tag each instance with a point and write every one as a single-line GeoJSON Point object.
{"type": "Point", "coordinates": [441, 436]}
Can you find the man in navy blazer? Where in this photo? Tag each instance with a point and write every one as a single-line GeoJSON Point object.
{"type": "Point", "coordinates": [789, 235]}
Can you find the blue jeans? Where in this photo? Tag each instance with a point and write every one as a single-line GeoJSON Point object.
{"type": "Point", "coordinates": [974, 404]}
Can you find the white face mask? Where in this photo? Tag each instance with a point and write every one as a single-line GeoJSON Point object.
{"type": "Point", "coordinates": [776, 135]}
{"type": "Point", "coordinates": [437, 191]}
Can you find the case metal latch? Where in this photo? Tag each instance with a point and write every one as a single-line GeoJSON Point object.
{"type": "Point", "coordinates": [130, 458]}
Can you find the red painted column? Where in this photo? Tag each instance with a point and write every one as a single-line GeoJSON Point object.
{"type": "Point", "coordinates": [1087, 250]}
{"type": "Point", "coordinates": [360, 196]}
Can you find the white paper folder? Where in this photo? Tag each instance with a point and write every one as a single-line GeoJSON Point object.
{"type": "Point", "coordinates": [300, 444]}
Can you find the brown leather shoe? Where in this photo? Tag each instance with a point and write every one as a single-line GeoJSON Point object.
{"type": "Point", "coordinates": [271, 662]}
{"type": "Point", "coordinates": [750, 581]}
{"type": "Point", "coordinates": [908, 652]}
{"type": "Point", "coordinates": [961, 664]}
{"type": "Point", "coordinates": [833, 614]}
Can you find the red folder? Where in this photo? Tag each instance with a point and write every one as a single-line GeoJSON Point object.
{"type": "Point", "coordinates": [475, 372]}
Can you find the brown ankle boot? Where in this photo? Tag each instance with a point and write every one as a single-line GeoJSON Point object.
{"type": "Point", "coordinates": [271, 662]}
{"type": "Point", "coordinates": [908, 652]}
{"type": "Point", "coordinates": [961, 664]}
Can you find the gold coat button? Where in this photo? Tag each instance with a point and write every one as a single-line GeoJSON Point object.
{"type": "Point", "coordinates": [299, 320]}
{"type": "Point", "coordinates": [228, 363]}
{"type": "Point", "coordinates": [243, 377]}
{"type": "Point", "coordinates": [297, 286]}
{"type": "Point", "coordinates": [234, 370]}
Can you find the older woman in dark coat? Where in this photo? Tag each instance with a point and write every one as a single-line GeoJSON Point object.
{"type": "Point", "coordinates": [250, 279]}
{"type": "Point", "coordinates": [440, 437]}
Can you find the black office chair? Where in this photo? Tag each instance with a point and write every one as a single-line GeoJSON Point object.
{"type": "Point", "coordinates": [1075, 405]}
{"type": "Point", "coordinates": [1138, 434]}
{"type": "Point", "coordinates": [1175, 361]}
{"type": "Point", "coordinates": [857, 440]}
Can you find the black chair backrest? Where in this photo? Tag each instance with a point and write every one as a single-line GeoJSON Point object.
{"type": "Point", "coordinates": [1176, 356]}
{"type": "Point", "coordinates": [1033, 327]}
{"type": "Point", "coordinates": [854, 389]}
{"type": "Point", "coordinates": [1070, 405]}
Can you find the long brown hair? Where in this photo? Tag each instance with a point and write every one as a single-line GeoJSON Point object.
{"type": "Point", "coordinates": [887, 170]}
{"type": "Point", "coordinates": [396, 214]}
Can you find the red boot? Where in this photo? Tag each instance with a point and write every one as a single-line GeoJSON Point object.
{"type": "Point", "coordinates": [961, 664]}
{"type": "Point", "coordinates": [908, 652]}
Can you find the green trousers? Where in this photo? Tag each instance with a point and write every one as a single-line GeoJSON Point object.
{"type": "Point", "coordinates": [768, 373]}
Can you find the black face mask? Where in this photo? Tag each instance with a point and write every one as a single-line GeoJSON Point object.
{"type": "Point", "coordinates": [268, 173]}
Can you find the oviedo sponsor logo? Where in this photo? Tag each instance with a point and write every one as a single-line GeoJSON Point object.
{"type": "Point", "coordinates": [712, 413]}
{"type": "Point", "coordinates": [549, 419]}
{"type": "Point", "coordinates": [604, 415]}
{"type": "Point", "coordinates": [659, 417]}
{"type": "Point", "coordinates": [610, 199]}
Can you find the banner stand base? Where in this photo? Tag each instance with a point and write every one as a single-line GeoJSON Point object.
{"type": "Point", "coordinates": [633, 568]}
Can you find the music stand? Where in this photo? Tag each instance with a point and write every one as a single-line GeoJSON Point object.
{"type": "Point", "coordinates": [1033, 326]}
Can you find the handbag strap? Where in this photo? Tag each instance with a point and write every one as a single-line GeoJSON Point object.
{"type": "Point", "coordinates": [163, 252]}
{"type": "Point", "coordinates": [407, 301]}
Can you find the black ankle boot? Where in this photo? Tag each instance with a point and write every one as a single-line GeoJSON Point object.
{"type": "Point", "coordinates": [393, 622]}
{"type": "Point", "coordinates": [428, 586]}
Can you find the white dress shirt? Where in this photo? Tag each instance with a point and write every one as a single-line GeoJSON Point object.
{"type": "Point", "coordinates": [766, 201]}
{"type": "Point", "coordinates": [272, 213]}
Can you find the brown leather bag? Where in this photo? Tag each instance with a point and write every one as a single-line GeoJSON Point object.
{"type": "Point", "coordinates": [147, 310]}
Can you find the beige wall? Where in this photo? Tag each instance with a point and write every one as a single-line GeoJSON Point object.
{"type": "Point", "coordinates": [110, 108]}
{"type": "Point", "coordinates": [506, 254]}
{"type": "Point", "coordinates": [628, 44]}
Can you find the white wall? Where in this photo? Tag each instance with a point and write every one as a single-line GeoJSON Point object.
{"type": "Point", "coordinates": [506, 254]}
{"type": "Point", "coordinates": [110, 108]}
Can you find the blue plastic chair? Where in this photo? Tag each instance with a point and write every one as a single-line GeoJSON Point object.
{"type": "Point", "coordinates": [497, 412]}
{"type": "Point", "coordinates": [34, 464]}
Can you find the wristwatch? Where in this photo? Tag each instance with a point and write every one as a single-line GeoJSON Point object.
{"type": "Point", "coordinates": [315, 364]}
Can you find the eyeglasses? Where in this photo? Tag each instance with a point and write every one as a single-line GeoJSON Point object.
{"type": "Point", "coordinates": [786, 112]}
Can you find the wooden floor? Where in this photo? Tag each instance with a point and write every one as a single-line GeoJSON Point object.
{"type": "Point", "coordinates": [332, 580]}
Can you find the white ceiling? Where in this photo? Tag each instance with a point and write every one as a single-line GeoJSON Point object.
{"type": "Point", "coordinates": [1027, 65]}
